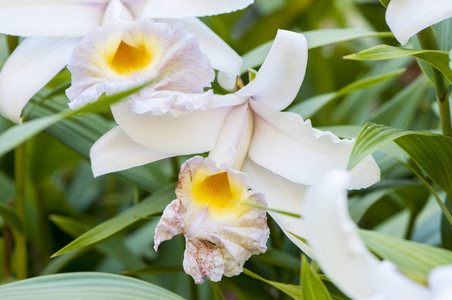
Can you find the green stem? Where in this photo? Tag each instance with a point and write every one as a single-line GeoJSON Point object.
{"type": "Point", "coordinates": [410, 228]}
{"type": "Point", "coordinates": [20, 239]}
{"type": "Point", "coordinates": [427, 39]}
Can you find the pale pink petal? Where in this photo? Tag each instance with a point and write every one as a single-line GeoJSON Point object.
{"type": "Point", "coordinates": [191, 8]}
{"type": "Point", "coordinates": [286, 145]}
{"type": "Point", "coordinates": [115, 151]}
{"type": "Point", "coordinates": [116, 11]}
{"type": "Point", "coordinates": [279, 79]}
{"type": "Point", "coordinates": [29, 68]}
{"type": "Point", "coordinates": [195, 132]}
{"type": "Point", "coordinates": [221, 55]}
{"type": "Point", "coordinates": [51, 18]}
{"type": "Point", "coordinates": [406, 18]}
{"type": "Point", "coordinates": [169, 225]}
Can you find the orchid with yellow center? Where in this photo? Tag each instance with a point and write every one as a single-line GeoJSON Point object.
{"type": "Point", "coordinates": [406, 18]}
{"type": "Point", "coordinates": [120, 56]}
{"type": "Point", "coordinates": [281, 153]}
{"type": "Point", "coordinates": [212, 211]}
{"type": "Point", "coordinates": [344, 258]}
{"type": "Point", "coordinates": [53, 28]}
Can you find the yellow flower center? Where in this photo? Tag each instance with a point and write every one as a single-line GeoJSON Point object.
{"type": "Point", "coordinates": [128, 59]}
{"type": "Point", "coordinates": [216, 191]}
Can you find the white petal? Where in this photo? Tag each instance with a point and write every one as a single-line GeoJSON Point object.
{"type": "Point", "coordinates": [283, 143]}
{"type": "Point", "coordinates": [406, 18]}
{"type": "Point", "coordinates": [280, 77]}
{"type": "Point", "coordinates": [116, 11]}
{"type": "Point", "coordinates": [234, 138]}
{"type": "Point", "coordinates": [280, 194]}
{"type": "Point", "coordinates": [341, 253]}
{"type": "Point", "coordinates": [195, 132]}
{"type": "Point", "coordinates": [50, 18]}
{"type": "Point", "coordinates": [34, 62]}
{"type": "Point", "coordinates": [115, 151]}
{"type": "Point", "coordinates": [439, 282]}
{"type": "Point", "coordinates": [221, 55]}
{"type": "Point", "coordinates": [191, 8]}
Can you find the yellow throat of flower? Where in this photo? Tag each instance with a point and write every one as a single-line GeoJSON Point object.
{"type": "Point", "coordinates": [128, 59]}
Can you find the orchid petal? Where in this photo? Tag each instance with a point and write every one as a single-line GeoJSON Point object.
{"type": "Point", "coordinates": [51, 18]}
{"type": "Point", "coordinates": [438, 281]}
{"type": "Point", "coordinates": [280, 194]}
{"type": "Point", "coordinates": [285, 144]}
{"type": "Point", "coordinates": [342, 254]}
{"type": "Point", "coordinates": [115, 151]}
{"type": "Point", "coordinates": [195, 132]}
{"type": "Point", "coordinates": [405, 18]}
{"type": "Point", "coordinates": [221, 55]}
{"type": "Point", "coordinates": [279, 79]}
{"type": "Point", "coordinates": [234, 139]}
{"type": "Point", "coordinates": [34, 62]}
{"type": "Point", "coordinates": [192, 8]}
{"type": "Point", "coordinates": [116, 11]}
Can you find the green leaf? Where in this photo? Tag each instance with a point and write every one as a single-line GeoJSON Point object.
{"type": "Point", "coordinates": [18, 134]}
{"type": "Point", "coordinates": [437, 59]}
{"type": "Point", "coordinates": [309, 107]}
{"type": "Point", "coordinates": [311, 285]}
{"type": "Point", "coordinates": [421, 152]}
{"type": "Point", "coordinates": [291, 290]}
{"type": "Point", "coordinates": [385, 2]}
{"type": "Point", "coordinates": [12, 219]}
{"type": "Point", "coordinates": [315, 38]}
{"type": "Point", "coordinates": [414, 259]}
{"type": "Point", "coordinates": [151, 205]}
{"type": "Point", "coordinates": [84, 285]}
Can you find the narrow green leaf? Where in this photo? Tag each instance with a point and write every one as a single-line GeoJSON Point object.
{"type": "Point", "coordinates": [12, 219]}
{"type": "Point", "coordinates": [84, 285]}
{"type": "Point", "coordinates": [385, 2]}
{"type": "Point", "coordinates": [20, 133]}
{"type": "Point", "coordinates": [437, 59]}
{"type": "Point", "coordinates": [414, 259]}
{"type": "Point", "coordinates": [315, 38]}
{"type": "Point", "coordinates": [312, 286]}
{"type": "Point", "coordinates": [291, 290]}
{"type": "Point", "coordinates": [151, 205]}
{"type": "Point", "coordinates": [309, 107]}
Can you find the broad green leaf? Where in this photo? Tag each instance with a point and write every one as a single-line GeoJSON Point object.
{"type": "Point", "coordinates": [309, 107]}
{"type": "Point", "coordinates": [18, 134]}
{"type": "Point", "coordinates": [315, 38]}
{"type": "Point", "coordinates": [414, 259]}
{"type": "Point", "coordinates": [438, 59]}
{"type": "Point", "coordinates": [151, 205]}
{"type": "Point", "coordinates": [279, 258]}
{"type": "Point", "coordinates": [312, 286]}
{"type": "Point", "coordinates": [431, 152]}
{"type": "Point", "coordinates": [291, 290]}
{"type": "Point", "coordinates": [84, 286]}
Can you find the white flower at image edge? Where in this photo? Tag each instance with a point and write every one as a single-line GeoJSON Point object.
{"type": "Point", "coordinates": [344, 258]}
{"type": "Point", "coordinates": [120, 56]}
{"type": "Point", "coordinates": [406, 18]}
{"type": "Point", "coordinates": [281, 153]}
{"type": "Point", "coordinates": [221, 231]}
{"type": "Point", "coordinates": [53, 28]}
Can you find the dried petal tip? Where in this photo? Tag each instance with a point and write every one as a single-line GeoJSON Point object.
{"type": "Point", "coordinates": [221, 232]}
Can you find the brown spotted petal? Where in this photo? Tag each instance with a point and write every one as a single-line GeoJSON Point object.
{"type": "Point", "coordinates": [221, 231]}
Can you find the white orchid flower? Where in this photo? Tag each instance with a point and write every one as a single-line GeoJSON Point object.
{"type": "Point", "coordinates": [53, 28]}
{"type": "Point", "coordinates": [120, 56]}
{"type": "Point", "coordinates": [281, 153]}
{"type": "Point", "coordinates": [406, 18]}
{"type": "Point", "coordinates": [220, 230]}
{"type": "Point", "coordinates": [344, 258]}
